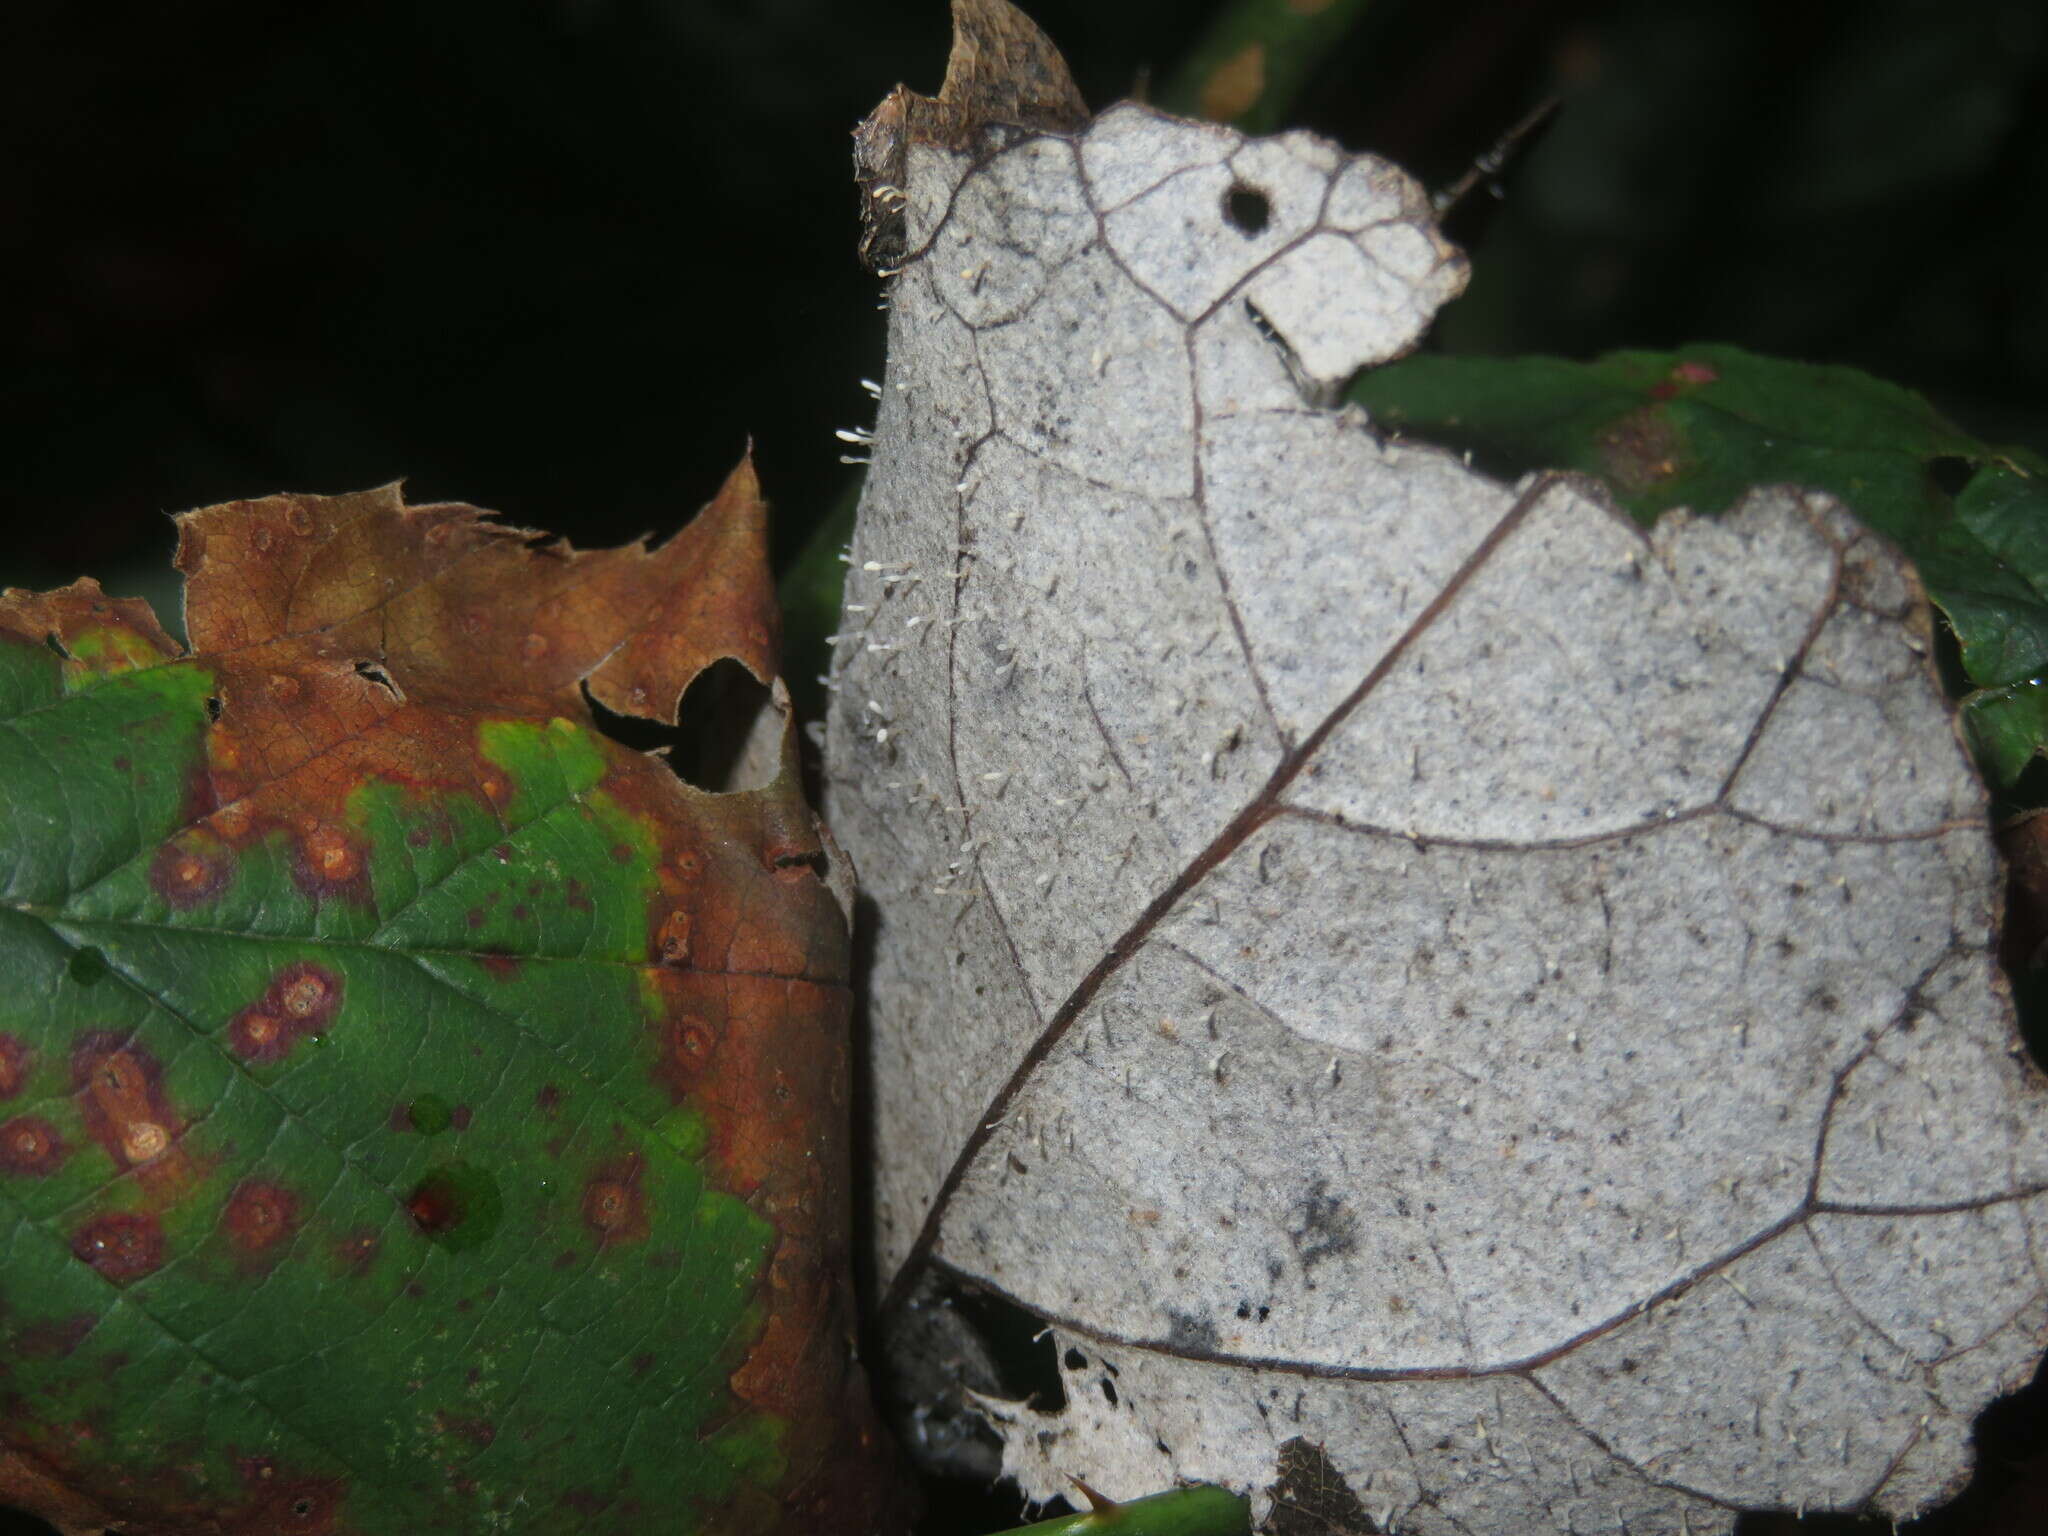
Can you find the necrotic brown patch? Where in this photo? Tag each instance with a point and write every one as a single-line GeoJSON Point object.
{"type": "Point", "coordinates": [260, 1215]}
{"type": "Point", "coordinates": [119, 1090]}
{"type": "Point", "coordinates": [14, 1064]}
{"type": "Point", "coordinates": [281, 1505]}
{"type": "Point", "coordinates": [187, 871]}
{"type": "Point", "coordinates": [122, 1246]}
{"type": "Point", "coordinates": [30, 1145]}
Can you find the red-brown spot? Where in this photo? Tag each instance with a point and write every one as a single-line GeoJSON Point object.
{"type": "Point", "coordinates": [30, 1145]}
{"type": "Point", "coordinates": [302, 999]}
{"type": "Point", "coordinates": [502, 852]}
{"type": "Point", "coordinates": [621, 854]}
{"type": "Point", "coordinates": [305, 1508]}
{"type": "Point", "coordinates": [356, 1252]}
{"type": "Point", "coordinates": [577, 895]}
{"type": "Point", "coordinates": [461, 1117]}
{"type": "Point", "coordinates": [502, 967]}
{"type": "Point", "coordinates": [614, 1207]}
{"type": "Point", "coordinates": [474, 917]}
{"type": "Point", "coordinates": [549, 1100]}
{"type": "Point", "coordinates": [566, 1258]}
{"type": "Point", "coordinates": [478, 1432]}
{"type": "Point", "coordinates": [329, 862]}
{"type": "Point", "coordinates": [284, 687]}
{"type": "Point", "coordinates": [14, 1065]}
{"type": "Point", "coordinates": [691, 1042]}
{"type": "Point", "coordinates": [258, 1035]}
{"type": "Point", "coordinates": [260, 1215]}
{"type": "Point", "coordinates": [299, 519]}
{"type": "Point", "coordinates": [122, 1246]}
{"type": "Point", "coordinates": [307, 993]}
{"type": "Point", "coordinates": [53, 1338]}
{"type": "Point", "coordinates": [643, 1363]}
{"type": "Point", "coordinates": [434, 1207]}
{"type": "Point", "coordinates": [521, 911]}
{"type": "Point", "coordinates": [186, 872]}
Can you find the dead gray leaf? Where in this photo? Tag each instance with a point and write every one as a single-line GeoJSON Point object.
{"type": "Point", "coordinates": [1385, 960]}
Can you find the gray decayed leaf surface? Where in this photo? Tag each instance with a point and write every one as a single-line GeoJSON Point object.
{"type": "Point", "coordinates": [1390, 961]}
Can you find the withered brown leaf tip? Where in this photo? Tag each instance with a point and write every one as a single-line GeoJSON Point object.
{"type": "Point", "coordinates": [1003, 70]}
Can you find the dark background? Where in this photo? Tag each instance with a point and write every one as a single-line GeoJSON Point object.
{"type": "Point", "coordinates": [561, 257]}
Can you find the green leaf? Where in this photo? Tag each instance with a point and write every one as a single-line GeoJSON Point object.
{"type": "Point", "coordinates": [415, 1115]}
{"type": "Point", "coordinates": [1198, 1511]}
{"type": "Point", "coordinates": [1699, 426]}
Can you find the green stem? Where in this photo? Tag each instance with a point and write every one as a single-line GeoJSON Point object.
{"type": "Point", "coordinates": [1198, 1511]}
{"type": "Point", "coordinates": [1256, 58]}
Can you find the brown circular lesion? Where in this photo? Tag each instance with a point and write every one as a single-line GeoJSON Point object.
{"type": "Point", "coordinates": [614, 1204]}
{"type": "Point", "coordinates": [14, 1064]}
{"type": "Point", "coordinates": [121, 1245]}
{"type": "Point", "coordinates": [260, 1214]}
{"type": "Point", "coordinates": [188, 871]}
{"type": "Point", "coordinates": [30, 1146]}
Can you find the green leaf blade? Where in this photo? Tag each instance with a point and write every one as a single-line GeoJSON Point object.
{"type": "Point", "coordinates": [1699, 426]}
{"type": "Point", "coordinates": [350, 1179]}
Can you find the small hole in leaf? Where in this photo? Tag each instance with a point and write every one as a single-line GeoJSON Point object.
{"type": "Point", "coordinates": [1108, 1391]}
{"type": "Point", "coordinates": [213, 706]}
{"type": "Point", "coordinates": [56, 645]}
{"type": "Point", "coordinates": [1020, 1347]}
{"type": "Point", "coordinates": [729, 732]}
{"type": "Point", "coordinates": [1950, 473]}
{"type": "Point", "coordinates": [1248, 209]}
{"type": "Point", "coordinates": [372, 672]}
{"type": "Point", "coordinates": [1076, 1361]}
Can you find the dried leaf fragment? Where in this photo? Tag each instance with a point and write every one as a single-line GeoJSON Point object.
{"type": "Point", "coordinates": [1387, 960]}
